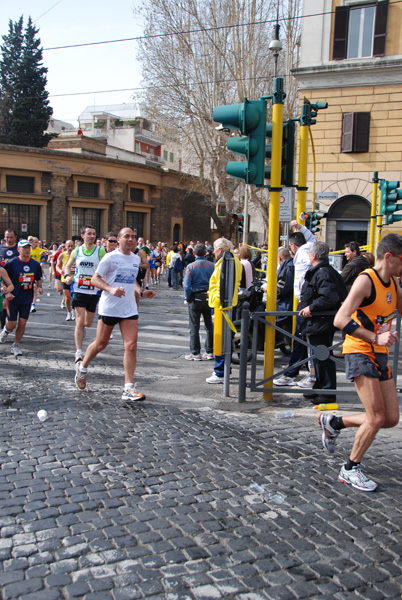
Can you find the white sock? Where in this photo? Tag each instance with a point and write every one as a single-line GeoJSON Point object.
{"type": "Point", "coordinates": [83, 369]}
{"type": "Point", "coordinates": [128, 386]}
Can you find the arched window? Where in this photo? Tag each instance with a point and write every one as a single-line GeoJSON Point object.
{"type": "Point", "coordinates": [348, 220]}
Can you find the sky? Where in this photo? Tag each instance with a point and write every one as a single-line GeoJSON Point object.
{"type": "Point", "coordinates": [87, 69]}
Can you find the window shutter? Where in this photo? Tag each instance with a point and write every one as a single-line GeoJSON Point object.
{"type": "Point", "coordinates": [380, 28]}
{"type": "Point", "coordinates": [340, 32]}
{"type": "Point", "coordinates": [347, 132]}
{"type": "Point", "coordinates": [361, 132]}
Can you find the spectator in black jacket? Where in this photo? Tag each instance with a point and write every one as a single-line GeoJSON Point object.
{"type": "Point", "coordinates": [355, 265]}
{"type": "Point", "coordinates": [284, 293]}
{"type": "Point", "coordinates": [323, 290]}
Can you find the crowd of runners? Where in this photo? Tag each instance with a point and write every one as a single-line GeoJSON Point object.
{"type": "Point", "coordinates": [109, 276]}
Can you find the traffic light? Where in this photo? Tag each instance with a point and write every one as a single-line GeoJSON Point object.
{"type": "Point", "coordinates": [313, 220]}
{"type": "Point", "coordinates": [249, 118]}
{"type": "Point", "coordinates": [239, 221]}
{"type": "Point", "coordinates": [316, 220]}
{"type": "Point", "coordinates": [309, 111]}
{"type": "Point", "coordinates": [288, 149]}
{"type": "Point", "coordinates": [389, 194]}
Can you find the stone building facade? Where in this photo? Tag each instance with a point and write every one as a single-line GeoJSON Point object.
{"type": "Point", "coordinates": [351, 57]}
{"type": "Point", "coordinates": [51, 193]}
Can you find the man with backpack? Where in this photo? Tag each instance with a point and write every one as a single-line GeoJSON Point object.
{"type": "Point", "coordinates": [323, 291]}
{"type": "Point", "coordinates": [176, 266]}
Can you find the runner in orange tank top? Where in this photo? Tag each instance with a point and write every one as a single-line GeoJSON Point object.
{"type": "Point", "coordinates": [366, 318]}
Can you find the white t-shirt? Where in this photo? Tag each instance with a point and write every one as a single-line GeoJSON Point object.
{"type": "Point", "coordinates": [119, 270]}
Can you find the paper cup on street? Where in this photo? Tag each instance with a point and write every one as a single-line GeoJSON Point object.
{"type": "Point", "coordinates": [42, 415]}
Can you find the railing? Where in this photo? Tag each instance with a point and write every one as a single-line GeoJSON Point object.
{"type": "Point", "coordinates": [317, 352]}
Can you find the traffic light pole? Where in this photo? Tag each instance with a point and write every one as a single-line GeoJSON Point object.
{"type": "Point", "coordinates": [379, 222]}
{"type": "Point", "coordinates": [245, 213]}
{"type": "Point", "coordinates": [303, 162]}
{"type": "Point", "coordinates": [273, 231]}
{"type": "Point", "coordinates": [373, 217]}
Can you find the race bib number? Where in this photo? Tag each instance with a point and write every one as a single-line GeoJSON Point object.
{"type": "Point", "coordinates": [84, 283]}
{"type": "Point", "coordinates": [26, 281]}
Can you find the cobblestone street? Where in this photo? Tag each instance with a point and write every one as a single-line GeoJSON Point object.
{"type": "Point", "coordinates": [193, 498]}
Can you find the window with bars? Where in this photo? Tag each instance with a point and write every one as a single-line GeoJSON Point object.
{"type": "Point", "coordinates": [14, 216]}
{"type": "Point", "coordinates": [360, 30]}
{"type": "Point", "coordinates": [18, 183]}
{"type": "Point", "coordinates": [136, 194]}
{"type": "Point", "coordinates": [86, 216]}
{"type": "Point", "coordinates": [355, 132]}
{"type": "Point", "coordinates": [135, 220]}
{"type": "Point", "coordinates": [88, 189]}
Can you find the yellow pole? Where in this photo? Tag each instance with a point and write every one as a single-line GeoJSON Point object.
{"type": "Point", "coordinates": [273, 231]}
{"type": "Point", "coordinates": [379, 220]}
{"type": "Point", "coordinates": [301, 185]}
{"type": "Point", "coordinates": [373, 221]}
{"type": "Point", "coordinates": [302, 181]}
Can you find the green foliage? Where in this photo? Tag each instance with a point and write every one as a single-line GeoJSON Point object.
{"type": "Point", "coordinates": [24, 104]}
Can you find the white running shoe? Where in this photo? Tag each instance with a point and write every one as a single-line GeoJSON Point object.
{"type": "Point", "coordinates": [357, 478]}
{"type": "Point", "coordinates": [284, 380]}
{"type": "Point", "coordinates": [3, 335]}
{"type": "Point", "coordinates": [80, 378]}
{"type": "Point", "coordinates": [15, 350]}
{"type": "Point", "coordinates": [306, 382]}
{"type": "Point", "coordinates": [207, 356]}
{"type": "Point", "coordinates": [79, 356]}
{"type": "Point", "coordinates": [329, 435]}
{"type": "Point", "coordinates": [130, 395]}
{"type": "Point", "coordinates": [214, 378]}
{"type": "Point", "coordinates": [193, 357]}
{"type": "Point", "coordinates": [68, 317]}
{"type": "Point", "coordinates": [62, 305]}
{"type": "Point", "coordinates": [72, 315]}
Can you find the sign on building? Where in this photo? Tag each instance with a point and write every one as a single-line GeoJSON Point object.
{"type": "Point", "coordinates": [286, 201]}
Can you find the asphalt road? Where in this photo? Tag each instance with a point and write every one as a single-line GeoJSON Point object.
{"type": "Point", "coordinates": [185, 496]}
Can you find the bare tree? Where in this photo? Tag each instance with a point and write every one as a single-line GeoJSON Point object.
{"type": "Point", "coordinates": [197, 54]}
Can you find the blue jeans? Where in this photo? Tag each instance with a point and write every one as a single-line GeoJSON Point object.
{"type": "Point", "coordinates": [175, 279]}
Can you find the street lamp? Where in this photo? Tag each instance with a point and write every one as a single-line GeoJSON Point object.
{"type": "Point", "coordinates": [276, 45]}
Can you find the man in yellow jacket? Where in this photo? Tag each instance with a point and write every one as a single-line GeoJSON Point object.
{"type": "Point", "coordinates": [221, 246]}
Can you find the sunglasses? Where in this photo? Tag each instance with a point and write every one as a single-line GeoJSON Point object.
{"type": "Point", "coordinates": [112, 241]}
{"type": "Point", "coordinates": [396, 255]}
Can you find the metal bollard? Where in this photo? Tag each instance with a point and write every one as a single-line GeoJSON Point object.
{"type": "Point", "coordinates": [245, 320]}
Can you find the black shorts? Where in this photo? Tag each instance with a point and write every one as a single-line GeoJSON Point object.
{"type": "Point", "coordinates": [112, 321]}
{"type": "Point", "coordinates": [15, 309]}
{"type": "Point", "coordinates": [87, 301]}
{"type": "Point", "coordinates": [65, 286]}
{"type": "Point", "coordinates": [361, 364]}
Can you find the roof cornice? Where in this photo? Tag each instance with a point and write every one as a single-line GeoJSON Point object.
{"type": "Point", "coordinates": [351, 73]}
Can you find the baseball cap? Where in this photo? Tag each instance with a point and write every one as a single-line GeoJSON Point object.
{"type": "Point", "coordinates": [23, 243]}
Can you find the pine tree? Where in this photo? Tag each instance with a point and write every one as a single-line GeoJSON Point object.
{"type": "Point", "coordinates": [11, 52]}
{"type": "Point", "coordinates": [24, 88]}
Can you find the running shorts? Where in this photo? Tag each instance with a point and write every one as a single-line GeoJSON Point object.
{"type": "Point", "coordinates": [15, 309]}
{"type": "Point", "coordinates": [87, 301]}
{"type": "Point", "coordinates": [361, 364]}
{"type": "Point", "coordinates": [112, 321]}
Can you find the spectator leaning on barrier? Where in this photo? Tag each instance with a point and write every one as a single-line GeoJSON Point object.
{"type": "Point", "coordinates": [300, 242]}
{"type": "Point", "coordinates": [323, 291]}
{"type": "Point", "coordinates": [284, 292]}
{"type": "Point", "coordinates": [221, 246]}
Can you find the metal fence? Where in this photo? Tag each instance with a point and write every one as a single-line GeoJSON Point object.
{"type": "Point", "coordinates": [255, 384]}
